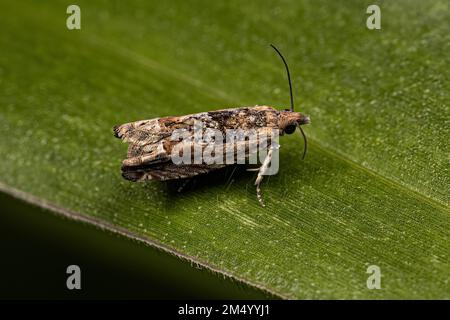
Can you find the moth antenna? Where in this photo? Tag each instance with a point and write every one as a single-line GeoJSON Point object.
{"type": "Point", "coordinates": [288, 76]}
{"type": "Point", "coordinates": [306, 142]}
{"type": "Point", "coordinates": [292, 98]}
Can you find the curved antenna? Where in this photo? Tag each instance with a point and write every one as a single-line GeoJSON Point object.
{"type": "Point", "coordinates": [292, 99]}
{"type": "Point", "coordinates": [288, 76]}
{"type": "Point", "coordinates": [306, 142]}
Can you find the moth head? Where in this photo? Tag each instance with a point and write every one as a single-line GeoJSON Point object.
{"type": "Point", "coordinates": [289, 121]}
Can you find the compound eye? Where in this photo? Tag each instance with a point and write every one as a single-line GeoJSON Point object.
{"type": "Point", "coordinates": [290, 129]}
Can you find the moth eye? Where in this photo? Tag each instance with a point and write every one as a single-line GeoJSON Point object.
{"type": "Point", "coordinates": [290, 129]}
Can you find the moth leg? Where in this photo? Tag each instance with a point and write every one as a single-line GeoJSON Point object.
{"type": "Point", "coordinates": [259, 178]}
{"type": "Point", "coordinates": [185, 182]}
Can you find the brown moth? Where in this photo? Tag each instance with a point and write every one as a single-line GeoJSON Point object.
{"type": "Point", "coordinates": [151, 144]}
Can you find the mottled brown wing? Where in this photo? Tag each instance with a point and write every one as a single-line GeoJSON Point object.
{"type": "Point", "coordinates": [149, 167]}
{"type": "Point", "coordinates": [146, 132]}
{"type": "Point", "coordinates": [150, 145]}
{"type": "Point", "coordinates": [149, 140]}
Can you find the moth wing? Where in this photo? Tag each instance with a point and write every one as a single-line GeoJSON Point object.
{"type": "Point", "coordinates": [169, 171]}
{"type": "Point", "coordinates": [141, 132]}
{"type": "Point", "coordinates": [154, 130]}
{"type": "Point", "coordinates": [246, 150]}
{"type": "Point", "coordinates": [151, 154]}
{"type": "Point", "coordinates": [149, 140]}
{"type": "Point", "coordinates": [145, 155]}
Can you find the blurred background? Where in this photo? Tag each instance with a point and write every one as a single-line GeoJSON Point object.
{"type": "Point", "coordinates": [37, 246]}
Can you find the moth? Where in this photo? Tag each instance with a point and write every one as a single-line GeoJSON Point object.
{"type": "Point", "coordinates": [151, 147]}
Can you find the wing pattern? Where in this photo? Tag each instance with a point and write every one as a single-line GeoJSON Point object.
{"type": "Point", "coordinates": [151, 143]}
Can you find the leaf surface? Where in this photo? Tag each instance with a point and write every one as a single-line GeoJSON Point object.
{"type": "Point", "coordinates": [373, 189]}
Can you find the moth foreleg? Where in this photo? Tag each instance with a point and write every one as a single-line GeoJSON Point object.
{"type": "Point", "coordinates": [183, 185]}
{"type": "Point", "coordinates": [261, 173]}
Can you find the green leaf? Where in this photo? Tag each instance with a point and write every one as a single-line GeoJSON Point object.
{"type": "Point", "coordinates": [373, 189]}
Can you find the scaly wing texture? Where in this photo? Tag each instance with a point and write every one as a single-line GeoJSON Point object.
{"type": "Point", "coordinates": [168, 171]}
{"type": "Point", "coordinates": [151, 141]}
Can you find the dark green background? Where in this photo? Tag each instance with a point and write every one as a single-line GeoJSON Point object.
{"type": "Point", "coordinates": [36, 247]}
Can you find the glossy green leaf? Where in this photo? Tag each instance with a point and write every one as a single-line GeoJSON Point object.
{"type": "Point", "coordinates": [373, 189]}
